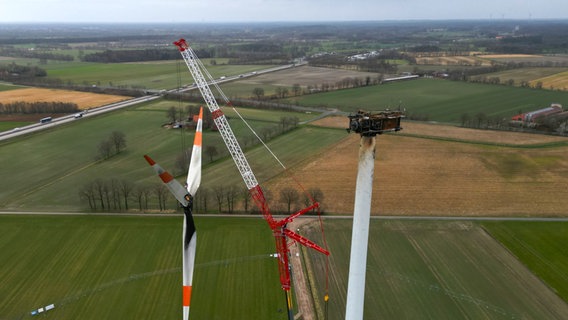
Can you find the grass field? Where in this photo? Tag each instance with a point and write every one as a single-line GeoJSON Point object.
{"type": "Point", "coordinates": [446, 270]}
{"type": "Point", "coordinates": [150, 75]}
{"type": "Point", "coordinates": [96, 267]}
{"type": "Point", "coordinates": [440, 100]}
{"type": "Point", "coordinates": [64, 158]}
{"type": "Point", "coordinates": [128, 267]}
{"type": "Point", "coordinates": [5, 125]}
{"type": "Point", "coordinates": [475, 172]}
{"type": "Point", "coordinates": [540, 246]}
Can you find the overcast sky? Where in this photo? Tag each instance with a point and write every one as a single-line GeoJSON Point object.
{"type": "Point", "coordinates": [180, 11]}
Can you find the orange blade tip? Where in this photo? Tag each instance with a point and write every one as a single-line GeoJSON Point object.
{"type": "Point", "coordinates": [150, 161]}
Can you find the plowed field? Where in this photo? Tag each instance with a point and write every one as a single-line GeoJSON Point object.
{"type": "Point", "coordinates": [430, 176]}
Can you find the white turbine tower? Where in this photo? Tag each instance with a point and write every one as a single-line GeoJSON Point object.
{"type": "Point", "coordinates": [368, 126]}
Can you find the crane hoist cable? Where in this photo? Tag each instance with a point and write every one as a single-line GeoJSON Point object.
{"type": "Point", "coordinates": [184, 150]}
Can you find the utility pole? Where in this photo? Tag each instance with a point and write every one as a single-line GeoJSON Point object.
{"type": "Point", "coordinates": [368, 125]}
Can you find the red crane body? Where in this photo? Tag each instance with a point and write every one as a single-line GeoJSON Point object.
{"type": "Point", "coordinates": [278, 227]}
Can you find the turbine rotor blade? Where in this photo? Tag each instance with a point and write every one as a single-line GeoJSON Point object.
{"type": "Point", "coordinates": [178, 191]}
{"type": "Point", "coordinates": [194, 172]}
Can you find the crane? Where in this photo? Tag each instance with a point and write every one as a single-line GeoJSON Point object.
{"type": "Point", "coordinates": [279, 227]}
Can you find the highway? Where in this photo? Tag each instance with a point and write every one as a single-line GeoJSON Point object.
{"type": "Point", "coordinates": [5, 135]}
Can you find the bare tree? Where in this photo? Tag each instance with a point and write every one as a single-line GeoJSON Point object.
{"type": "Point", "coordinates": [181, 164]}
{"type": "Point", "coordinates": [296, 89]}
{"type": "Point", "coordinates": [126, 188]}
{"type": "Point", "coordinates": [139, 196]}
{"type": "Point", "coordinates": [105, 149]}
{"type": "Point", "coordinates": [258, 93]}
{"type": "Point", "coordinates": [115, 194]}
{"type": "Point", "coordinates": [161, 192]}
{"type": "Point", "coordinates": [172, 114]}
{"type": "Point", "coordinates": [118, 140]}
{"type": "Point", "coordinates": [219, 193]}
{"type": "Point", "coordinates": [87, 193]}
{"type": "Point", "coordinates": [231, 193]}
{"type": "Point", "coordinates": [99, 187]}
{"type": "Point", "coordinates": [211, 151]}
{"type": "Point", "coordinates": [246, 198]}
{"type": "Point", "coordinates": [203, 196]}
{"type": "Point", "coordinates": [289, 197]}
{"type": "Point", "coordinates": [313, 195]}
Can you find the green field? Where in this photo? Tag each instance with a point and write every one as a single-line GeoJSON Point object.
{"type": "Point", "coordinates": [440, 100]}
{"type": "Point", "coordinates": [63, 159]}
{"type": "Point", "coordinates": [9, 125]}
{"type": "Point", "coordinates": [541, 246]}
{"type": "Point", "coordinates": [7, 86]}
{"type": "Point", "coordinates": [128, 267]}
{"type": "Point", "coordinates": [448, 270]}
{"type": "Point", "coordinates": [150, 75]}
{"type": "Point", "coordinates": [97, 267]}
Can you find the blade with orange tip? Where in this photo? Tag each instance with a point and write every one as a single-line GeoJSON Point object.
{"type": "Point", "coordinates": [178, 191]}
{"type": "Point", "coordinates": [194, 172]}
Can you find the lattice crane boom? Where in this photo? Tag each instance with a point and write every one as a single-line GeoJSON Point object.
{"type": "Point", "coordinates": [280, 232]}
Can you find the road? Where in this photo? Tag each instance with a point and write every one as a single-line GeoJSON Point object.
{"type": "Point", "coordinates": [5, 135]}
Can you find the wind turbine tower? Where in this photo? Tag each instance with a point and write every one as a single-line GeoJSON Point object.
{"type": "Point", "coordinates": [368, 125]}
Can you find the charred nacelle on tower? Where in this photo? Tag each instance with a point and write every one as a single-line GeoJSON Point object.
{"type": "Point", "coordinates": [371, 124]}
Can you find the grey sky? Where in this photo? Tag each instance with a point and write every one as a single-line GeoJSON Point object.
{"type": "Point", "coordinates": [274, 10]}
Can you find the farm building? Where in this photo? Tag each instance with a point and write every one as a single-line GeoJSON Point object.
{"type": "Point", "coordinates": [540, 113]}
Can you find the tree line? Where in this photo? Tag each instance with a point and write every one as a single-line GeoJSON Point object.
{"type": "Point", "coordinates": [113, 145]}
{"type": "Point", "coordinates": [22, 107]}
{"type": "Point", "coordinates": [43, 55]}
{"type": "Point", "coordinates": [14, 72]}
{"type": "Point", "coordinates": [117, 56]}
{"type": "Point", "coordinates": [371, 64]}
{"type": "Point", "coordinates": [121, 195]}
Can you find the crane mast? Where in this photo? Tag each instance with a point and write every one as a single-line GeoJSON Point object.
{"type": "Point", "coordinates": [279, 229]}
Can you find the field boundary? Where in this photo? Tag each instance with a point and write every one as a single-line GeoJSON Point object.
{"type": "Point", "coordinates": [486, 143]}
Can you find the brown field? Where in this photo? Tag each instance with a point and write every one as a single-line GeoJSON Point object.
{"type": "Point", "coordinates": [509, 56]}
{"type": "Point", "coordinates": [453, 61]}
{"type": "Point", "coordinates": [526, 58]}
{"type": "Point", "coordinates": [305, 76]}
{"type": "Point", "coordinates": [558, 81]}
{"type": "Point", "coordinates": [421, 176]}
{"type": "Point", "coordinates": [84, 100]}
{"type": "Point", "coordinates": [453, 132]}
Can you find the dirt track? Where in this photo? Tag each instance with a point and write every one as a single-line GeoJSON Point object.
{"type": "Point", "coordinates": [304, 300]}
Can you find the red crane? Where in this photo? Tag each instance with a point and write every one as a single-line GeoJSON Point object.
{"type": "Point", "coordinates": [278, 227]}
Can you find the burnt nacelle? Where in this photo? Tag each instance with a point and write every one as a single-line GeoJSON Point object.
{"type": "Point", "coordinates": [370, 124]}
